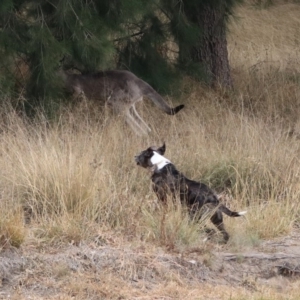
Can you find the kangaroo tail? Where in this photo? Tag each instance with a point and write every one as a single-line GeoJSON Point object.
{"type": "Point", "coordinates": [230, 213]}
{"type": "Point", "coordinates": [160, 102]}
{"type": "Point", "coordinates": [176, 109]}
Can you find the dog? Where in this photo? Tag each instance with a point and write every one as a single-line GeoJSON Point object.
{"type": "Point", "coordinates": [167, 180]}
{"type": "Point", "coordinates": [120, 90]}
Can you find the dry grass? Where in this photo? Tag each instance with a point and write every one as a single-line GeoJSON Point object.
{"type": "Point", "coordinates": [76, 178]}
{"type": "Point", "coordinates": [265, 59]}
{"type": "Point", "coordinates": [66, 175]}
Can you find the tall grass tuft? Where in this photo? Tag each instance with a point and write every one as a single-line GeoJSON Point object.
{"type": "Point", "coordinates": [170, 225]}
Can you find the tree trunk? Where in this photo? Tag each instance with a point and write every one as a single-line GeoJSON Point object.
{"type": "Point", "coordinates": [211, 48]}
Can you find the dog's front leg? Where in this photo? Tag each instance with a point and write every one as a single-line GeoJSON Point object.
{"type": "Point", "coordinates": [160, 193]}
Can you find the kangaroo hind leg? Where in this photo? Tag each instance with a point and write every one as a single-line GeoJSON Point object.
{"type": "Point", "coordinates": [138, 118]}
{"type": "Point", "coordinates": [137, 128]}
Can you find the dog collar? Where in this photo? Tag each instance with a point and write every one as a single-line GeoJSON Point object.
{"type": "Point", "coordinates": [158, 161]}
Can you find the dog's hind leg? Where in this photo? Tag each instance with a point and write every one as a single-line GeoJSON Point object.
{"type": "Point", "coordinates": [217, 220]}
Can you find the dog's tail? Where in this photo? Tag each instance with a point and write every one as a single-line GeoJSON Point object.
{"type": "Point", "coordinates": [230, 213]}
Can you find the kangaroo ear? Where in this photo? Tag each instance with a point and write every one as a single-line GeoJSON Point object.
{"type": "Point", "coordinates": [162, 149]}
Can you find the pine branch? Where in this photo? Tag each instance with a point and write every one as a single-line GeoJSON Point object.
{"type": "Point", "coordinates": [129, 36]}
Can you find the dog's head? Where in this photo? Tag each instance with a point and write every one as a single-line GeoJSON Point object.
{"type": "Point", "coordinates": [151, 156]}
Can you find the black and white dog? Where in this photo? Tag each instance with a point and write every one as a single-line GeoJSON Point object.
{"type": "Point", "coordinates": [167, 180]}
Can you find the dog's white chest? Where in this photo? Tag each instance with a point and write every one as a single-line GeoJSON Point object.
{"type": "Point", "coordinates": [158, 160]}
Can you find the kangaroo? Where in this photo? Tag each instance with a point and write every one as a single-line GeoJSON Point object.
{"type": "Point", "coordinates": [120, 90]}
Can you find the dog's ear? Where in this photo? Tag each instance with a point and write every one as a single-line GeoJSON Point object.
{"type": "Point", "coordinates": [162, 149]}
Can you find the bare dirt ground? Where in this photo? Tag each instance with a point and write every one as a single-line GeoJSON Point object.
{"type": "Point", "coordinates": [109, 269]}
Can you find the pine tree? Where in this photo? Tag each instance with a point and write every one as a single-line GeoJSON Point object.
{"type": "Point", "coordinates": [45, 35]}
{"type": "Point", "coordinates": [199, 28]}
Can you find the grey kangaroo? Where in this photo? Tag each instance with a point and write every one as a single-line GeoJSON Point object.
{"type": "Point", "coordinates": [166, 179]}
{"type": "Point", "coordinates": [120, 90]}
